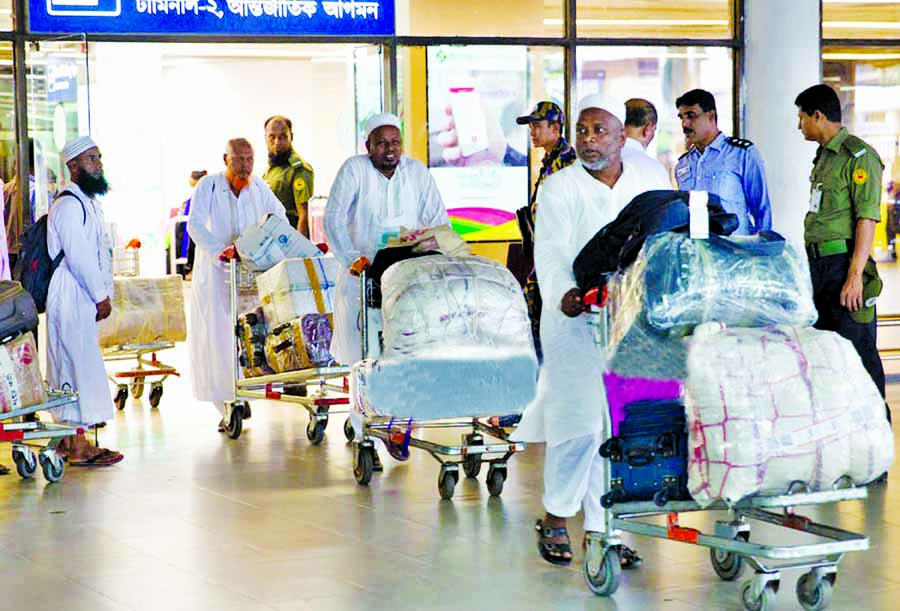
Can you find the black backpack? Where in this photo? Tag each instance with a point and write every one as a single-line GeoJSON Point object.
{"type": "Point", "coordinates": [35, 268]}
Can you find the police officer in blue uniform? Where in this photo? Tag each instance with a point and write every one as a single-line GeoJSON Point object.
{"type": "Point", "coordinates": [729, 167]}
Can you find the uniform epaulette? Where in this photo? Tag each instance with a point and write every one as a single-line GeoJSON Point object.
{"type": "Point", "coordinates": [297, 163]}
{"type": "Point", "coordinates": [738, 142]}
{"type": "Point", "coordinates": [856, 146]}
{"type": "Point", "coordinates": [684, 154]}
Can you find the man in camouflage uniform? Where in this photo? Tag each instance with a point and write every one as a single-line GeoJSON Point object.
{"type": "Point", "coordinates": [844, 206]}
{"type": "Point", "coordinates": [546, 123]}
{"type": "Point", "coordinates": [289, 176]}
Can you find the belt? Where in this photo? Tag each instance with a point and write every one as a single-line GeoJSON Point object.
{"type": "Point", "coordinates": [828, 248]}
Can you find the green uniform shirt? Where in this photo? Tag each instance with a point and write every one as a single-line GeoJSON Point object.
{"type": "Point", "coordinates": [292, 184]}
{"type": "Point", "coordinates": [847, 172]}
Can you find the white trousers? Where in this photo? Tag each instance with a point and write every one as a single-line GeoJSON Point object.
{"type": "Point", "coordinates": [574, 477]}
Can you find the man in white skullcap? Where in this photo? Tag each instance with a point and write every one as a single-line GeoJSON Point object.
{"type": "Point", "coordinates": [78, 297]}
{"type": "Point", "coordinates": [567, 413]}
{"type": "Point", "coordinates": [372, 197]}
{"type": "Point", "coordinates": [223, 206]}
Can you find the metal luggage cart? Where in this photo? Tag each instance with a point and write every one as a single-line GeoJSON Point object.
{"type": "Point", "coordinates": [136, 377]}
{"type": "Point", "coordinates": [471, 453]}
{"type": "Point", "coordinates": [126, 262]}
{"type": "Point", "coordinates": [325, 387]}
{"type": "Point", "coordinates": [24, 435]}
{"type": "Point", "coordinates": [729, 544]}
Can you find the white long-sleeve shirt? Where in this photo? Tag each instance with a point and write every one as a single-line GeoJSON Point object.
{"type": "Point", "coordinates": [649, 167]}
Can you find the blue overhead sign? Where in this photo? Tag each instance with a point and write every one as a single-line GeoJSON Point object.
{"type": "Point", "coordinates": [214, 17]}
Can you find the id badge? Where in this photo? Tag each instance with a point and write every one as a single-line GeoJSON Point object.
{"type": "Point", "coordinates": [815, 199]}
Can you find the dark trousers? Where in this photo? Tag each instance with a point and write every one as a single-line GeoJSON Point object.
{"type": "Point", "coordinates": [828, 277]}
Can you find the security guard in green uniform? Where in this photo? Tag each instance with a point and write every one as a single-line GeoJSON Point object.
{"type": "Point", "coordinates": [289, 176]}
{"type": "Point", "coordinates": [845, 196]}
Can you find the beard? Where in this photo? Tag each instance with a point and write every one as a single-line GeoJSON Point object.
{"type": "Point", "coordinates": [595, 166]}
{"type": "Point", "coordinates": [279, 159]}
{"type": "Point", "coordinates": [238, 183]}
{"type": "Point", "coordinates": [92, 186]}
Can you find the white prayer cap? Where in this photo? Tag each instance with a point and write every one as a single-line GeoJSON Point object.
{"type": "Point", "coordinates": [380, 120]}
{"type": "Point", "coordinates": [610, 104]}
{"type": "Point", "coordinates": [75, 147]}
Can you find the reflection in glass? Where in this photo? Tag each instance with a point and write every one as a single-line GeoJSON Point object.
{"type": "Point", "coordinates": [661, 75]}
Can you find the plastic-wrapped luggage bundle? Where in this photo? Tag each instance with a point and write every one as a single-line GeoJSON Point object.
{"type": "Point", "coordinates": [457, 341]}
{"type": "Point", "coordinates": [272, 241]}
{"type": "Point", "coordinates": [252, 333]}
{"type": "Point", "coordinates": [145, 311]}
{"type": "Point", "coordinates": [300, 344]}
{"type": "Point", "coordinates": [768, 407]}
{"type": "Point", "coordinates": [739, 281]}
{"type": "Point", "coordinates": [21, 384]}
{"type": "Point", "coordinates": [296, 287]}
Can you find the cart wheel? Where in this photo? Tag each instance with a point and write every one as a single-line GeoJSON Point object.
{"type": "Point", "coordinates": [315, 431]}
{"type": "Point", "coordinates": [495, 478]}
{"type": "Point", "coordinates": [52, 472]}
{"type": "Point", "coordinates": [235, 424]}
{"type": "Point", "coordinates": [156, 393]}
{"type": "Point", "coordinates": [121, 396]}
{"type": "Point", "coordinates": [765, 601]}
{"type": "Point", "coordinates": [472, 462]}
{"type": "Point", "coordinates": [602, 569]}
{"type": "Point", "coordinates": [365, 465]}
{"type": "Point", "coordinates": [137, 388]}
{"type": "Point", "coordinates": [349, 433]}
{"type": "Point", "coordinates": [813, 596]}
{"type": "Point", "coordinates": [26, 462]}
{"type": "Point", "coordinates": [447, 483]}
{"type": "Point", "coordinates": [728, 565]}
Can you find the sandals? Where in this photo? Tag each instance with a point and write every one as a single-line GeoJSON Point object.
{"type": "Point", "coordinates": [550, 550]}
{"type": "Point", "coordinates": [629, 558]}
{"type": "Point", "coordinates": [103, 458]}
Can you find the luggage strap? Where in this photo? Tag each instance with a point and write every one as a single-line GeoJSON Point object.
{"type": "Point", "coordinates": [314, 284]}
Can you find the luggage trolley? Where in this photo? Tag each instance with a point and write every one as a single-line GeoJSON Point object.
{"type": "Point", "coordinates": [324, 385]}
{"type": "Point", "coordinates": [471, 453]}
{"type": "Point", "coordinates": [729, 544]}
{"type": "Point", "coordinates": [126, 262]}
{"type": "Point", "coordinates": [24, 435]}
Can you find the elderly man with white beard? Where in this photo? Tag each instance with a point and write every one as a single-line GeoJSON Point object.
{"type": "Point", "coordinates": [567, 414]}
{"type": "Point", "coordinates": [223, 206]}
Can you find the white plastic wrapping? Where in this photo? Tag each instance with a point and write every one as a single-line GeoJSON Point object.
{"type": "Point", "coordinates": [145, 311]}
{"type": "Point", "coordinates": [457, 343]}
{"type": "Point", "coordinates": [21, 384]}
{"type": "Point", "coordinates": [768, 407]}
{"type": "Point", "coordinates": [296, 287]}
{"type": "Point", "coordinates": [272, 241]}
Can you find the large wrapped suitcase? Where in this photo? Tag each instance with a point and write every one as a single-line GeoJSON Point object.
{"type": "Point", "coordinates": [18, 313]}
{"type": "Point", "coordinates": [252, 331]}
{"type": "Point", "coordinates": [300, 344]}
{"type": "Point", "coordinates": [648, 457]}
{"type": "Point", "coordinates": [145, 311]}
{"type": "Point", "coordinates": [21, 383]}
{"type": "Point", "coordinates": [272, 241]}
{"type": "Point", "coordinates": [770, 407]}
{"type": "Point", "coordinates": [296, 287]}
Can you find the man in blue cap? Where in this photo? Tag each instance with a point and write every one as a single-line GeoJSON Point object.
{"type": "Point", "coordinates": [546, 123]}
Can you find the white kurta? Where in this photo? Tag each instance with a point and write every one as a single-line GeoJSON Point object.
{"type": "Point", "coordinates": [650, 168]}
{"type": "Point", "coordinates": [82, 280]}
{"type": "Point", "coordinates": [365, 206]}
{"type": "Point", "coordinates": [573, 206]}
{"type": "Point", "coordinates": [217, 219]}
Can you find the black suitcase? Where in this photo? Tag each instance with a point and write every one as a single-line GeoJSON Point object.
{"type": "Point", "coordinates": [648, 458]}
{"type": "Point", "coordinates": [18, 314]}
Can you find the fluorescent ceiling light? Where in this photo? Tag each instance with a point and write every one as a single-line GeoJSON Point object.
{"type": "Point", "coordinates": [861, 56]}
{"type": "Point", "coordinates": [863, 25]}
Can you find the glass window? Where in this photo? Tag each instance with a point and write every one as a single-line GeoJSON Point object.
{"type": "Point", "coordinates": [853, 19]}
{"type": "Point", "coordinates": [653, 19]}
{"type": "Point", "coordinates": [868, 84]}
{"type": "Point", "coordinates": [479, 18]}
{"type": "Point", "coordinates": [477, 153]}
{"type": "Point", "coordinates": [660, 75]}
{"type": "Point", "coordinates": [6, 20]}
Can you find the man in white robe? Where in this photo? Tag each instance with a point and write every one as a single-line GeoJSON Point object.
{"type": "Point", "coordinates": [567, 413]}
{"type": "Point", "coordinates": [223, 206]}
{"type": "Point", "coordinates": [640, 129]}
{"type": "Point", "coordinates": [372, 197]}
{"type": "Point", "coordinates": [77, 298]}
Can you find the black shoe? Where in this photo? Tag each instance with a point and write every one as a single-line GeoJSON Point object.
{"type": "Point", "coordinates": [222, 425]}
{"type": "Point", "coordinates": [4, 470]}
{"type": "Point", "coordinates": [377, 466]}
{"type": "Point", "coordinates": [629, 558]}
{"type": "Point", "coordinates": [880, 480]}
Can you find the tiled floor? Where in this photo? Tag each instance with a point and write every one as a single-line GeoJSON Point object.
{"type": "Point", "coordinates": [193, 520]}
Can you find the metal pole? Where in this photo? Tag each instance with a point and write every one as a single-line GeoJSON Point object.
{"type": "Point", "coordinates": [389, 77]}
{"type": "Point", "coordinates": [737, 76]}
{"type": "Point", "coordinates": [20, 92]}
